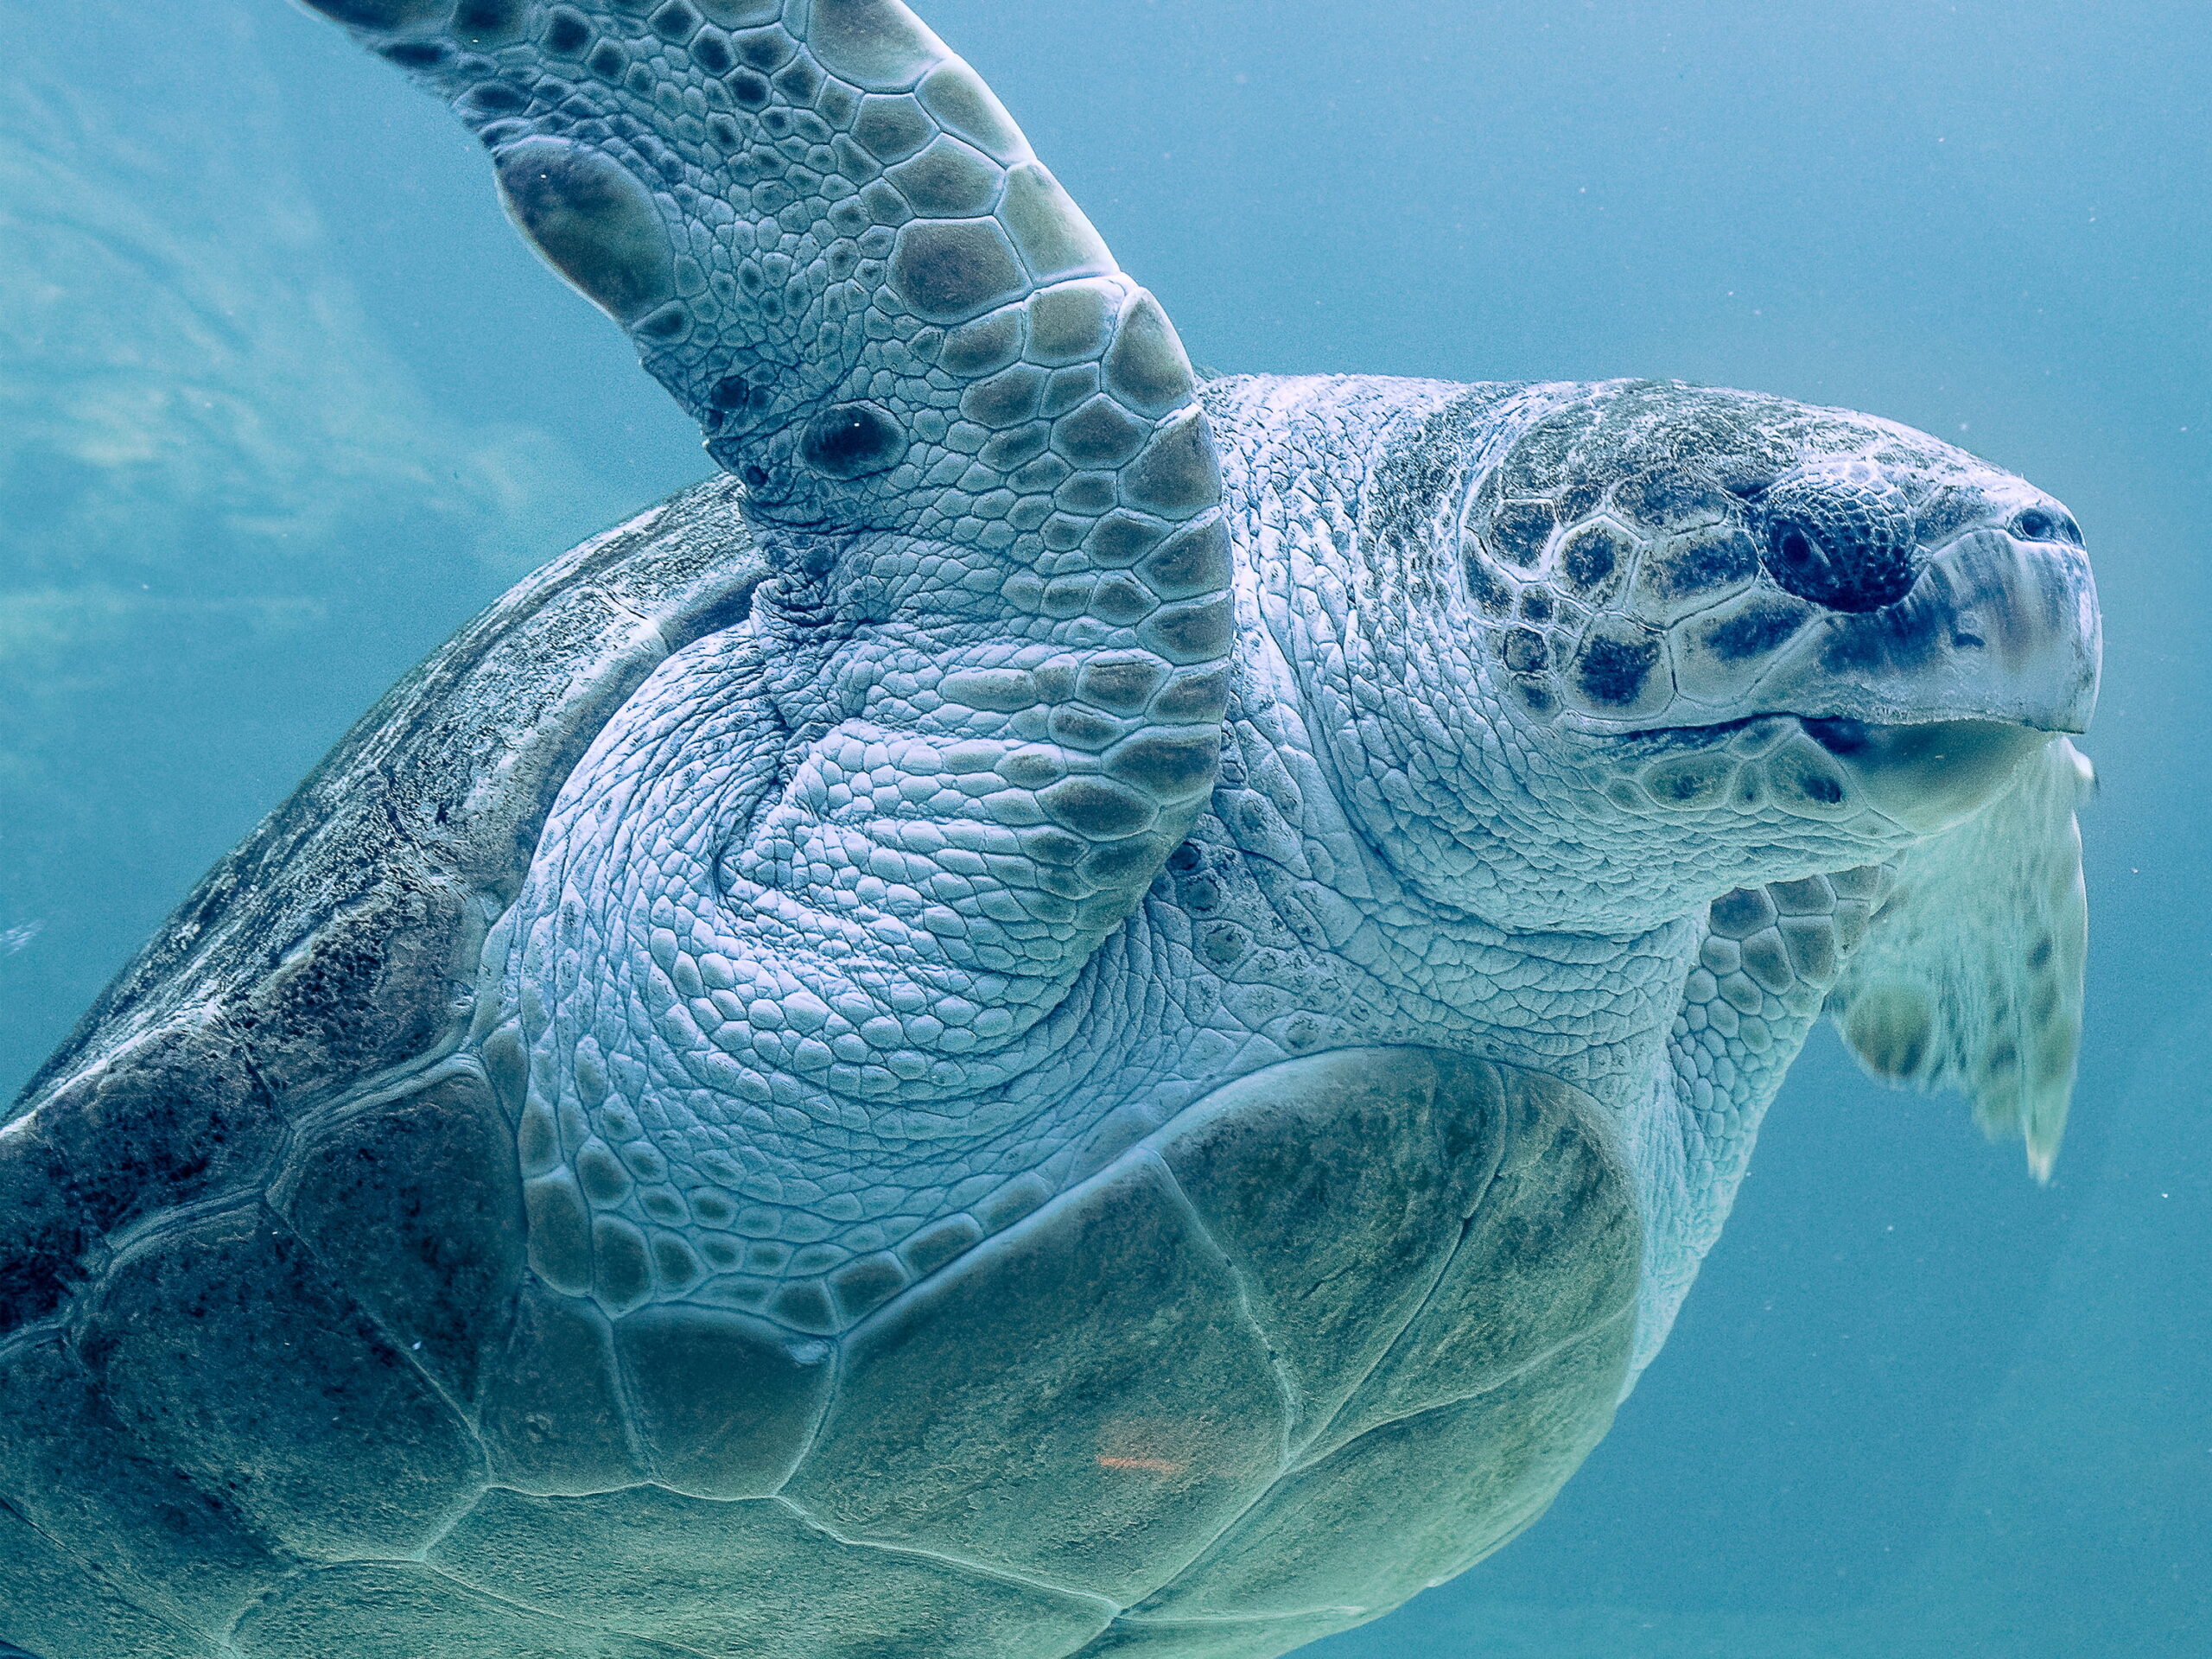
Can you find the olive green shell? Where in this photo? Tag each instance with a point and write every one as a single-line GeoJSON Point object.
{"type": "Point", "coordinates": [275, 1379]}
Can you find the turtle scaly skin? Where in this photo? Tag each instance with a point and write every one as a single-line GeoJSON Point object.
{"type": "Point", "coordinates": [1076, 1015]}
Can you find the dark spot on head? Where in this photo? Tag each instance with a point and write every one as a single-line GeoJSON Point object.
{"type": "Point", "coordinates": [1484, 587]}
{"type": "Point", "coordinates": [711, 52]}
{"type": "Point", "coordinates": [1537, 604]}
{"type": "Point", "coordinates": [608, 61]}
{"type": "Point", "coordinates": [1185, 859]}
{"type": "Point", "coordinates": [1753, 632]}
{"type": "Point", "coordinates": [731, 393]}
{"type": "Point", "coordinates": [1671, 498]}
{"type": "Point", "coordinates": [1593, 557]}
{"type": "Point", "coordinates": [1613, 668]}
{"type": "Point", "coordinates": [724, 132]}
{"type": "Point", "coordinates": [1580, 499]}
{"type": "Point", "coordinates": [1526, 652]}
{"type": "Point", "coordinates": [749, 89]}
{"type": "Point", "coordinates": [1519, 530]}
{"type": "Point", "coordinates": [1744, 477]}
{"type": "Point", "coordinates": [566, 32]}
{"type": "Point", "coordinates": [1700, 561]}
{"type": "Point", "coordinates": [852, 441]}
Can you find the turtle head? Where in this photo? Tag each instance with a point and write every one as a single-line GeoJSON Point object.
{"type": "Point", "coordinates": [1774, 637]}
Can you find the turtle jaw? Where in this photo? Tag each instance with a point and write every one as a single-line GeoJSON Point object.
{"type": "Point", "coordinates": [1919, 777]}
{"type": "Point", "coordinates": [1925, 778]}
{"type": "Point", "coordinates": [1922, 711]}
{"type": "Point", "coordinates": [1930, 706]}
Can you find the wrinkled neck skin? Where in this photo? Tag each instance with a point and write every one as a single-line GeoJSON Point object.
{"type": "Point", "coordinates": [1390, 856]}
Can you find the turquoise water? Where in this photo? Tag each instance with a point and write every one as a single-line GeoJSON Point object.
{"type": "Point", "coordinates": [284, 401]}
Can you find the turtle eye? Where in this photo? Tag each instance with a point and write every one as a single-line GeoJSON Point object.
{"type": "Point", "coordinates": [2038, 525]}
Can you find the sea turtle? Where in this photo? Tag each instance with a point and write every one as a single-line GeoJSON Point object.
{"type": "Point", "coordinates": [1074, 1014]}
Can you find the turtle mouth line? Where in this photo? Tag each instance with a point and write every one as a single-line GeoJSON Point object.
{"type": "Point", "coordinates": [1840, 736]}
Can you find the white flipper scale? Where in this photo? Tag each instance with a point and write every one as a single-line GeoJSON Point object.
{"type": "Point", "coordinates": [1971, 975]}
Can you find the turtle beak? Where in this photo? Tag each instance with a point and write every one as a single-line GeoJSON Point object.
{"type": "Point", "coordinates": [1995, 631]}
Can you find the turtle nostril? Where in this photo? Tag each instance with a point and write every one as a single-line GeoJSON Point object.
{"type": "Point", "coordinates": [2038, 524]}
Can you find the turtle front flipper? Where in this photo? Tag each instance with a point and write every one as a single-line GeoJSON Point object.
{"type": "Point", "coordinates": [964, 435]}
{"type": "Point", "coordinates": [1971, 976]}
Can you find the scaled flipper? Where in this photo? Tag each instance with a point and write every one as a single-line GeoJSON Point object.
{"type": "Point", "coordinates": [968, 441]}
{"type": "Point", "coordinates": [1971, 975]}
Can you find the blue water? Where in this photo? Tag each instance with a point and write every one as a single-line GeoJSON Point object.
{"type": "Point", "coordinates": [283, 400]}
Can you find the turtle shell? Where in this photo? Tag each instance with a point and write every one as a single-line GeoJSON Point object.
{"type": "Point", "coordinates": [279, 1380]}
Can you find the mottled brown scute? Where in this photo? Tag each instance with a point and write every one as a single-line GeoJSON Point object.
{"type": "Point", "coordinates": [170, 1117]}
{"type": "Point", "coordinates": [415, 1202]}
{"type": "Point", "coordinates": [1080, 1400]}
{"type": "Point", "coordinates": [233, 1356]}
{"type": "Point", "coordinates": [71, 1469]}
{"type": "Point", "coordinates": [1357, 1156]}
{"type": "Point", "coordinates": [554, 1419]}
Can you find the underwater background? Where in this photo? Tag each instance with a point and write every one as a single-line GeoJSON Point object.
{"type": "Point", "coordinates": [283, 400]}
